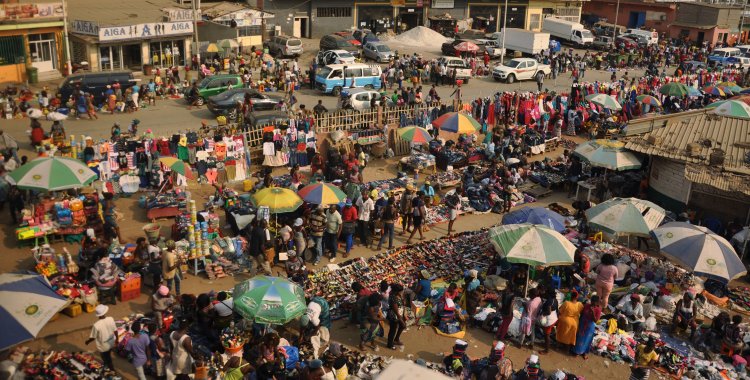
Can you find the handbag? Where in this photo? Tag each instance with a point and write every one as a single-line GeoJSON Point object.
{"type": "Point", "coordinates": [348, 228]}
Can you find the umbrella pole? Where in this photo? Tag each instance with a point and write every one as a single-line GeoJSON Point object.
{"type": "Point", "coordinates": [526, 288]}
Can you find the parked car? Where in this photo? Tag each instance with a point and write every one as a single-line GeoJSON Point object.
{"type": "Point", "coordinates": [463, 71]}
{"type": "Point", "coordinates": [723, 55]}
{"type": "Point", "coordinates": [349, 36]}
{"type": "Point", "coordinates": [639, 39]}
{"type": "Point", "coordinates": [365, 35]}
{"type": "Point", "coordinates": [602, 42]}
{"type": "Point", "coordinates": [492, 47]}
{"type": "Point", "coordinates": [741, 61]}
{"type": "Point", "coordinates": [333, 56]}
{"type": "Point", "coordinates": [226, 102]}
{"type": "Point", "coordinates": [263, 118]}
{"type": "Point", "coordinates": [216, 84]}
{"type": "Point", "coordinates": [361, 98]}
{"type": "Point", "coordinates": [285, 46]}
{"type": "Point", "coordinates": [96, 83]}
{"type": "Point", "coordinates": [449, 48]}
{"type": "Point", "coordinates": [625, 43]}
{"type": "Point", "coordinates": [334, 42]}
{"type": "Point", "coordinates": [520, 69]}
{"type": "Point", "coordinates": [377, 51]}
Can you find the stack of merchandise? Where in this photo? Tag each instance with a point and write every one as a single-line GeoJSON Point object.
{"type": "Point", "coordinates": [386, 185]}
{"type": "Point", "coordinates": [61, 365]}
{"type": "Point", "coordinates": [214, 271]}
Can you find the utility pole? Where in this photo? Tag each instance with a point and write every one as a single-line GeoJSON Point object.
{"type": "Point", "coordinates": [614, 30]}
{"type": "Point", "coordinates": [196, 8]}
{"type": "Point", "coordinates": [505, 22]}
{"type": "Point", "coordinates": [66, 41]}
{"type": "Point", "coordinates": [742, 21]}
{"type": "Point", "coordinates": [263, 35]}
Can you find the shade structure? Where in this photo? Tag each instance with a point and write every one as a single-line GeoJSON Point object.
{"type": "Point", "coordinates": [229, 44]}
{"type": "Point", "coordinates": [271, 300]}
{"type": "Point", "coordinates": [699, 250]}
{"type": "Point", "coordinates": [604, 100]}
{"type": "Point", "coordinates": [52, 174]}
{"type": "Point", "coordinates": [28, 303]}
{"type": "Point", "coordinates": [609, 154]}
{"type": "Point", "coordinates": [457, 122]}
{"type": "Point", "coordinates": [731, 108]}
{"type": "Point", "coordinates": [536, 215]}
{"type": "Point", "coordinates": [626, 216]}
{"type": "Point", "coordinates": [714, 90]}
{"type": "Point", "coordinates": [277, 199]}
{"type": "Point", "coordinates": [56, 116]}
{"type": "Point", "coordinates": [730, 86]}
{"type": "Point", "coordinates": [674, 89]}
{"type": "Point", "coordinates": [532, 244]}
{"type": "Point", "coordinates": [322, 194]}
{"type": "Point", "coordinates": [466, 47]}
{"type": "Point", "coordinates": [177, 165]}
{"type": "Point", "coordinates": [692, 91]}
{"type": "Point", "coordinates": [742, 98]}
{"type": "Point", "coordinates": [648, 99]}
{"type": "Point", "coordinates": [212, 48]}
{"type": "Point", "coordinates": [415, 135]}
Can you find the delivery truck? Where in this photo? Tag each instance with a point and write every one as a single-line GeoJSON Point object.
{"type": "Point", "coordinates": [572, 32]}
{"type": "Point", "coordinates": [522, 40]}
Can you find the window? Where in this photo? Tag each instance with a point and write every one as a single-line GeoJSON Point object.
{"type": "Point", "coordinates": [535, 21]}
{"type": "Point", "coordinates": [334, 12]}
{"type": "Point", "coordinates": [353, 73]}
{"type": "Point", "coordinates": [367, 72]}
{"type": "Point", "coordinates": [362, 97]}
{"type": "Point", "coordinates": [11, 50]}
{"type": "Point", "coordinates": [336, 74]}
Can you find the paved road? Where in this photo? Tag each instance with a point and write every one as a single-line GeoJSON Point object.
{"type": "Point", "coordinates": [170, 116]}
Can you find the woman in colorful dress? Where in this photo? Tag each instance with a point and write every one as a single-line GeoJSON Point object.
{"type": "Point", "coordinates": [591, 313]}
{"type": "Point", "coordinates": [567, 323]}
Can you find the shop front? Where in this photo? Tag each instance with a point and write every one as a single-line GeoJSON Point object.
{"type": "Point", "coordinates": [410, 16]}
{"type": "Point", "coordinates": [132, 47]}
{"type": "Point", "coordinates": [378, 18]}
{"type": "Point", "coordinates": [487, 14]}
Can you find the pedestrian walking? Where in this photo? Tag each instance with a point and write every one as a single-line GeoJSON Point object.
{"type": "Point", "coordinates": [103, 332]}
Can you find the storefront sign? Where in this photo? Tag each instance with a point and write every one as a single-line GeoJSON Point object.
{"type": "Point", "coordinates": [30, 11]}
{"type": "Point", "coordinates": [140, 31]}
{"type": "Point", "coordinates": [177, 14]}
{"type": "Point", "coordinates": [398, 3]}
{"type": "Point", "coordinates": [84, 27]}
{"type": "Point", "coordinates": [443, 4]}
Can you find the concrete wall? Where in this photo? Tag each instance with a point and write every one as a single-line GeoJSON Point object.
{"type": "Point", "coordinates": [320, 26]}
{"type": "Point", "coordinates": [211, 31]}
{"type": "Point", "coordinates": [654, 12]}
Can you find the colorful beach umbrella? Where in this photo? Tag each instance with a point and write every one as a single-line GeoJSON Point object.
{"type": "Point", "coordinates": [29, 302]}
{"type": "Point", "coordinates": [604, 100]}
{"type": "Point", "coordinates": [608, 154]}
{"type": "Point", "coordinates": [271, 300]}
{"type": "Point", "coordinates": [648, 99]}
{"type": "Point", "coordinates": [457, 122]}
{"type": "Point", "coordinates": [415, 135]}
{"type": "Point", "coordinates": [177, 165]}
{"type": "Point", "coordinates": [322, 194]}
{"type": "Point", "coordinates": [52, 174]}
{"type": "Point", "coordinates": [692, 91]}
{"type": "Point", "coordinates": [212, 48]}
{"type": "Point", "coordinates": [714, 90]}
{"type": "Point", "coordinates": [674, 89]}
{"type": "Point", "coordinates": [532, 244]}
{"type": "Point", "coordinates": [626, 216]}
{"type": "Point", "coordinates": [731, 108]}
{"type": "Point", "coordinates": [742, 98]}
{"type": "Point", "coordinates": [700, 250]}
{"type": "Point", "coordinates": [731, 86]}
{"type": "Point", "coordinates": [536, 215]}
{"type": "Point", "coordinates": [277, 199]}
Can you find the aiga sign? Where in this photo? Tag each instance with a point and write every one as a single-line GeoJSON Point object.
{"type": "Point", "coordinates": [177, 14]}
{"type": "Point", "coordinates": [84, 27]}
{"type": "Point", "coordinates": [144, 31]}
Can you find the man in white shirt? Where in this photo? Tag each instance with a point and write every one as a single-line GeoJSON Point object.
{"type": "Point", "coordinates": [365, 206]}
{"type": "Point", "coordinates": [104, 333]}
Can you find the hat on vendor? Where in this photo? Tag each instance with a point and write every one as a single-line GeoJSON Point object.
{"type": "Point", "coordinates": [635, 297]}
{"type": "Point", "coordinates": [499, 346]}
{"type": "Point", "coordinates": [348, 202]}
{"type": "Point", "coordinates": [163, 290]}
{"type": "Point", "coordinates": [410, 187]}
{"type": "Point", "coordinates": [316, 364]}
{"type": "Point", "coordinates": [298, 222]}
{"type": "Point", "coordinates": [473, 273]}
{"type": "Point", "coordinates": [425, 274]}
{"type": "Point", "coordinates": [460, 343]}
{"type": "Point", "coordinates": [427, 183]}
{"type": "Point", "coordinates": [101, 310]}
{"type": "Point", "coordinates": [533, 359]}
{"type": "Point", "coordinates": [374, 193]}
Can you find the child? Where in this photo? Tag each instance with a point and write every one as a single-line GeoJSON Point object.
{"type": "Point", "coordinates": [43, 100]}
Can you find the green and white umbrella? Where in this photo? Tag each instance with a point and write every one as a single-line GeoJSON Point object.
{"type": "Point", "coordinates": [626, 216]}
{"type": "Point", "coordinates": [52, 174]}
{"type": "Point", "coordinates": [604, 100]}
{"type": "Point", "coordinates": [271, 300]}
{"type": "Point", "coordinates": [731, 108]}
{"type": "Point", "coordinates": [609, 154]}
{"type": "Point", "coordinates": [531, 244]}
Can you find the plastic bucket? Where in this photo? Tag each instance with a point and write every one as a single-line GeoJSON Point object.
{"type": "Point", "coordinates": [152, 231]}
{"type": "Point", "coordinates": [232, 350]}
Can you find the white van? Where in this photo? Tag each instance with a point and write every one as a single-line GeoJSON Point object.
{"type": "Point", "coordinates": [743, 48]}
{"type": "Point", "coordinates": [332, 79]}
{"type": "Point", "coordinates": [651, 36]}
{"type": "Point", "coordinates": [724, 55]}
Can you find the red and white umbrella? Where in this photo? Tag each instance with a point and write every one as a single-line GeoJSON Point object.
{"type": "Point", "coordinates": [467, 47]}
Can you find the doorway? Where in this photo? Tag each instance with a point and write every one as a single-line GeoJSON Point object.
{"type": "Point", "coordinates": [701, 37]}
{"type": "Point", "coordinates": [300, 27]}
{"type": "Point", "coordinates": [43, 51]}
{"type": "Point", "coordinates": [410, 18]}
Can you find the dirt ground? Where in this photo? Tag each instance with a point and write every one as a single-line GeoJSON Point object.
{"type": "Point", "coordinates": [67, 333]}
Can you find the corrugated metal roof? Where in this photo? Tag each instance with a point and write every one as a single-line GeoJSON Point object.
{"type": "Point", "coordinates": [120, 13]}
{"type": "Point", "coordinates": [722, 180]}
{"type": "Point", "coordinates": [712, 133]}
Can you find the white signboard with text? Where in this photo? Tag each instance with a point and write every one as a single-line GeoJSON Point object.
{"type": "Point", "coordinates": [144, 31]}
{"type": "Point", "coordinates": [84, 27]}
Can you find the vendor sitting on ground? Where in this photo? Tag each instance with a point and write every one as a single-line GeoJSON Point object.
{"type": "Point", "coordinates": [631, 314]}
{"type": "Point", "coordinates": [715, 334]}
{"type": "Point", "coordinates": [685, 313]}
{"type": "Point", "coordinates": [458, 357]}
{"type": "Point", "coordinates": [733, 337]}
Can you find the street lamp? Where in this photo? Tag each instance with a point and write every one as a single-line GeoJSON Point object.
{"type": "Point", "coordinates": [505, 22]}
{"type": "Point", "coordinates": [614, 30]}
{"type": "Point", "coordinates": [66, 41]}
{"type": "Point", "coordinates": [196, 7]}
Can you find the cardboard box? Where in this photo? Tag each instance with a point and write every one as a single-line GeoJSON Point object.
{"type": "Point", "coordinates": [73, 310]}
{"type": "Point", "coordinates": [418, 308]}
